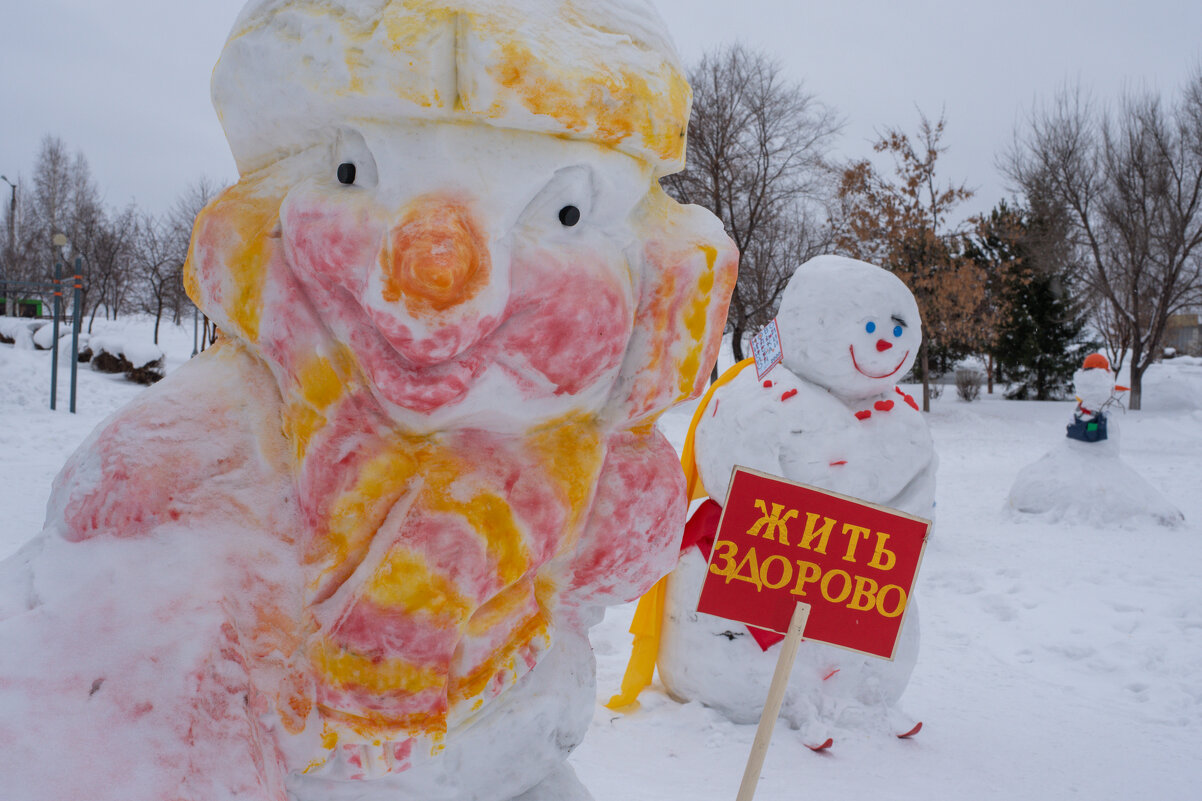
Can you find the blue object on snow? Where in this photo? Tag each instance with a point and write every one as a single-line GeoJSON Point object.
{"type": "Point", "coordinates": [1093, 430]}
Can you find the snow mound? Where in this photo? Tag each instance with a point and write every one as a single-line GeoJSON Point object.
{"type": "Point", "coordinates": [137, 354]}
{"type": "Point", "coordinates": [19, 332]}
{"type": "Point", "coordinates": [141, 363]}
{"type": "Point", "coordinates": [1088, 483]}
{"type": "Point", "coordinates": [1173, 386]}
{"type": "Point", "coordinates": [43, 337]}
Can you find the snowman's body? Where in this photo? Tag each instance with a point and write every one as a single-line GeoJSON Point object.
{"type": "Point", "coordinates": [830, 416]}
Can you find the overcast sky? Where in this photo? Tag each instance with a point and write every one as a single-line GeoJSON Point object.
{"type": "Point", "coordinates": [127, 81]}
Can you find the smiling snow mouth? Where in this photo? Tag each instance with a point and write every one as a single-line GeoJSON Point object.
{"type": "Point", "coordinates": [860, 370]}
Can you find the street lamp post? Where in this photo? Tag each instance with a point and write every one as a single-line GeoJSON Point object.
{"type": "Point", "coordinates": [12, 244]}
{"type": "Point", "coordinates": [76, 297]}
{"type": "Point", "coordinates": [60, 243]}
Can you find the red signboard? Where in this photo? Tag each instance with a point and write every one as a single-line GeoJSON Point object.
{"type": "Point", "coordinates": [780, 542]}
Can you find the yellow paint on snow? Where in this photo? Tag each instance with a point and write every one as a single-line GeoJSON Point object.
{"type": "Point", "coordinates": [502, 662]}
{"type": "Point", "coordinates": [358, 513]}
{"type": "Point", "coordinates": [228, 259]}
{"type": "Point", "coordinates": [609, 104]}
{"type": "Point", "coordinates": [696, 320]}
{"type": "Point", "coordinates": [571, 451]}
{"type": "Point", "coordinates": [345, 668]}
{"type": "Point", "coordinates": [323, 381]}
{"type": "Point", "coordinates": [404, 581]}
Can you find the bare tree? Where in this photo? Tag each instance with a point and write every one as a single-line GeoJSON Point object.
{"type": "Point", "coordinates": [756, 159]}
{"type": "Point", "coordinates": [156, 266]}
{"type": "Point", "coordinates": [64, 199]}
{"type": "Point", "coordinates": [50, 210]}
{"type": "Point", "coordinates": [161, 248]}
{"type": "Point", "coordinates": [1130, 181]}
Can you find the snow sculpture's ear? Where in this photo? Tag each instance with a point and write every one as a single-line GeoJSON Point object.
{"type": "Point", "coordinates": [687, 267]}
{"type": "Point", "coordinates": [234, 240]}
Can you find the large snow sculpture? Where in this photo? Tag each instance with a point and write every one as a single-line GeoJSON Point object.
{"type": "Point", "coordinates": [831, 415]}
{"type": "Point", "coordinates": [1084, 479]}
{"type": "Point", "coordinates": [353, 551]}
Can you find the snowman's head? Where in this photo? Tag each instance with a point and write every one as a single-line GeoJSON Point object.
{"type": "Point", "coordinates": [848, 326]}
{"type": "Point", "coordinates": [1093, 384]}
{"type": "Point", "coordinates": [454, 203]}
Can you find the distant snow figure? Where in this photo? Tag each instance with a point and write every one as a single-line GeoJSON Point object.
{"type": "Point", "coordinates": [832, 416]}
{"type": "Point", "coordinates": [1083, 479]}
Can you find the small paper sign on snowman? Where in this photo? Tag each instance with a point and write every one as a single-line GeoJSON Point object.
{"type": "Point", "coordinates": [765, 348]}
{"type": "Point", "coordinates": [780, 543]}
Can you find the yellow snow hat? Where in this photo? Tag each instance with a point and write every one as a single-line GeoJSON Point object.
{"type": "Point", "coordinates": [604, 71]}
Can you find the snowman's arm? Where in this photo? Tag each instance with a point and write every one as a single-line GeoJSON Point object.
{"type": "Point", "coordinates": [736, 436]}
{"type": "Point", "coordinates": [918, 497]}
{"type": "Point", "coordinates": [149, 465]}
{"type": "Point", "coordinates": [632, 536]}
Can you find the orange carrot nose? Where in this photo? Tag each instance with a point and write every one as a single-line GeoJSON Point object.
{"type": "Point", "coordinates": [883, 345]}
{"type": "Point", "coordinates": [435, 257]}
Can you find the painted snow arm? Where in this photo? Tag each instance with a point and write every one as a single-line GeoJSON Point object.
{"type": "Point", "coordinates": [735, 431]}
{"type": "Point", "coordinates": [688, 268]}
{"type": "Point", "coordinates": [633, 532]}
{"type": "Point", "coordinates": [164, 680]}
{"type": "Point", "coordinates": [918, 497]}
{"type": "Point", "coordinates": [152, 466]}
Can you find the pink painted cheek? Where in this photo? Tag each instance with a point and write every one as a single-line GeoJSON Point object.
{"type": "Point", "coordinates": [292, 316]}
{"type": "Point", "coordinates": [331, 244]}
{"type": "Point", "coordinates": [574, 324]}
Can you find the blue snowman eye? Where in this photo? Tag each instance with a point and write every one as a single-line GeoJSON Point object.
{"type": "Point", "coordinates": [897, 331]}
{"type": "Point", "coordinates": [870, 327]}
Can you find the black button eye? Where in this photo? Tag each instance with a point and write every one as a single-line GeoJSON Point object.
{"type": "Point", "coordinates": [569, 215]}
{"type": "Point", "coordinates": [346, 173]}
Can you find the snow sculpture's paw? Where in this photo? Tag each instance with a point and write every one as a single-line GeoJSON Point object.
{"type": "Point", "coordinates": [362, 761]}
{"type": "Point", "coordinates": [562, 785]}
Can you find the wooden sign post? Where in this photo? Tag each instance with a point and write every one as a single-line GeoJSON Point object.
{"type": "Point", "coordinates": [776, 695]}
{"type": "Point", "coordinates": [802, 561]}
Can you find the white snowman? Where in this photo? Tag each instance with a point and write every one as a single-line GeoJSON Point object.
{"type": "Point", "coordinates": [1083, 479]}
{"type": "Point", "coordinates": [831, 415]}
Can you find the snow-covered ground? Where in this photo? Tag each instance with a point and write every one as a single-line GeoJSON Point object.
{"type": "Point", "coordinates": [1057, 661]}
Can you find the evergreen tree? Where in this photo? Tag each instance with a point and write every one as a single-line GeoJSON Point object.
{"type": "Point", "coordinates": [1037, 327]}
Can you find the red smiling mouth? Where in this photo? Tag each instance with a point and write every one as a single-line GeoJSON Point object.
{"type": "Point", "coordinates": [860, 370]}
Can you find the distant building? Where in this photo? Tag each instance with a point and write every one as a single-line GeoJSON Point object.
{"type": "Point", "coordinates": [1183, 333]}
